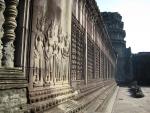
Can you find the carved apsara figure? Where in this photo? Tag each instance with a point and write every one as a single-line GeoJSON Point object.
{"type": "Point", "coordinates": [49, 54]}
{"type": "Point", "coordinates": [59, 55]}
{"type": "Point", "coordinates": [38, 53]}
{"type": "Point", "coordinates": [65, 58]}
{"type": "Point", "coordinates": [55, 52]}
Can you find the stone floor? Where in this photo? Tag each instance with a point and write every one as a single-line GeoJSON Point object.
{"type": "Point", "coordinates": [127, 104]}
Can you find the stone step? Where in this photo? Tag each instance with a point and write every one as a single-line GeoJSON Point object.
{"type": "Point", "coordinates": [78, 104]}
{"type": "Point", "coordinates": [91, 88]}
{"type": "Point", "coordinates": [49, 103]}
{"type": "Point", "coordinates": [111, 102]}
{"type": "Point", "coordinates": [48, 90]}
{"type": "Point", "coordinates": [88, 91]}
{"type": "Point", "coordinates": [42, 100]}
{"type": "Point", "coordinates": [50, 95]}
{"type": "Point", "coordinates": [102, 107]}
{"type": "Point", "coordinates": [99, 100]}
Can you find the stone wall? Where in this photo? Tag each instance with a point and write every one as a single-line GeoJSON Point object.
{"type": "Point", "coordinates": [13, 83]}
{"type": "Point", "coordinates": [95, 59]}
{"type": "Point", "coordinates": [54, 52]}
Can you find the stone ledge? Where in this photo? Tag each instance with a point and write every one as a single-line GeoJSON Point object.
{"type": "Point", "coordinates": [76, 105]}
{"type": "Point", "coordinates": [111, 103]}
{"type": "Point", "coordinates": [12, 78]}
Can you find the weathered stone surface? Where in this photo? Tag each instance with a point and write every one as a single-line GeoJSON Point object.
{"type": "Point", "coordinates": [13, 90]}
{"type": "Point", "coordinates": [13, 100]}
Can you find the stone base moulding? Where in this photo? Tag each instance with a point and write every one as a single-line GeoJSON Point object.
{"type": "Point", "coordinates": [13, 90]}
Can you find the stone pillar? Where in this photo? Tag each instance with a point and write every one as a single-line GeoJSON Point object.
{"type": "Point", "coordinates": [1, 31]}
{"type": "Point", "coordinates": [9, 26]}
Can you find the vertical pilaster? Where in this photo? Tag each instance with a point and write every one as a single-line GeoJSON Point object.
{"type": "Point", "coordinates": [105, 65]}
{"type": "Point", "coordinates": [109, 70]}
{"type": "Point", "coordinates": [86, 50]}
{"type": "Point", "coordinates": [2, 5]}
{"type": "Point", "coordinates": [9, 27]}
{"type": "Point", "coordinates": [95, 51]}
{"type": "Point", "coordinates": [81, 12]}
{"type": "Point", "coordinates": [100, 64]}
{"type": "Point", "coordinates": [77, 8]}
{"type": "Point", "coordinates": [106, 68]}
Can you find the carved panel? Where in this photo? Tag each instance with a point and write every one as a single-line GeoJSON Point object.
{"type": "Point", "coordinates": [77, 50]}
{"type": "Point", "coordinates": [50, 43]}
{"type": "Point", "coordinates": [102, 64]}
{"type": "Point", "coordinates": [97, 61]}
{"type": "Point", "coordinates": [105, 67]}
{"type": "Point", "coordinates": [90, 57]}
{"type": "Point", "coordinates": [73, 52]}
{"type": "Point", "coordinates": [50, 53]}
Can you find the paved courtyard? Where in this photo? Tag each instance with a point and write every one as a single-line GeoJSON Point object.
{"type": "Point", "coordinates": [127, 104]}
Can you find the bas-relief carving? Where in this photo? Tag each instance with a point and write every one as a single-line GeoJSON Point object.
{"type": "Point", "coordinates": [51, 52]}
{"type": "Point", "coordinates": [65, 55]}
{"type": "Point", "coordinates": [39, 52]}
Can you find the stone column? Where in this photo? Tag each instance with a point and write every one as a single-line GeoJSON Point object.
{"type": "Point", "coordinates": [9, 26]}
{"type": "Point", "coordinates": [1, 31]}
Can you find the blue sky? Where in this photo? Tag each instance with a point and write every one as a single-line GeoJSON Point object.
{"type": "Point", "coordinates": [136, 18]}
